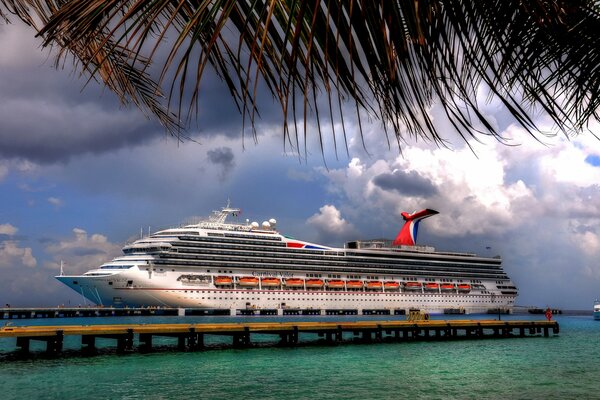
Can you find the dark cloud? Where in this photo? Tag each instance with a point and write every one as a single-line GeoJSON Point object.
{"type": "Point", "coordinates": [15, 238]}
{"type": "Point", "coordinates": [49, 116]}
{"type": "Point", "coordinates": [47, 240]}
{"type": "Point", "coordinates": [49, 130]}
{"type": "Point", "coordinates": [86, 252]}
{"type": "Point", "coordinates": [409, 184]}
{"type": "Point", "coordinates": [223, 157]}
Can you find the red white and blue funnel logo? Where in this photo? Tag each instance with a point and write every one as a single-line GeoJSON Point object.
{"type": "Point", "coordinates": [408, 234]}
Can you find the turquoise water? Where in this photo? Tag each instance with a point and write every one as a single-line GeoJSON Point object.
{"type": "Point", "coordinates": [559, 367]}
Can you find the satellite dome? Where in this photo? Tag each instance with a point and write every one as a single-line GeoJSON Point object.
{"type": "Point", "coordinates": [266, 224]}
{"type": "Point", "coordinates": [254, 224]}
{"type": "Point", "coordinates": [272, 221]}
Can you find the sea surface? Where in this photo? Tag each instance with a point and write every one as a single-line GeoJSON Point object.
{"type": "Point", "coordinates": [565, 366]}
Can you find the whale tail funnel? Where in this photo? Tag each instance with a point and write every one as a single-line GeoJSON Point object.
{"type": "Point", "coordinates": [408, 234]}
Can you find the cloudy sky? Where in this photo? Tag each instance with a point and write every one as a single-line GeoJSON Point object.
{"type": "Point", "coordinates": [80, 176]}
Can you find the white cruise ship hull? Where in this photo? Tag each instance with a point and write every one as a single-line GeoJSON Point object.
{"type": "Point", "coordinates": [165, 291]}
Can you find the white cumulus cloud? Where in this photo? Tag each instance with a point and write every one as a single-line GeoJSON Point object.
{"type": "Point", "coordinates": [81, 252]}
{"type": "Point", "coordinates": [330, 225]}
{"type": "Point", "coordinates": [11, 254]}
{"type": "Point", "coordinates": [55, 201]}
{"type": "Point", "coordinates": [8, 229]}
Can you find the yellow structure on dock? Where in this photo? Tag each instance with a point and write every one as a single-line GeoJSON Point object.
{"type": "Point", "coordinates": [191, 336]}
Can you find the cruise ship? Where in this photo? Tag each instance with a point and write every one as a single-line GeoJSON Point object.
{"type": "Point", "coordinates": [218, 265]}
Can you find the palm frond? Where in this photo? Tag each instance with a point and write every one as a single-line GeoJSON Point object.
{"type": "Point", "coordinates": [392, 59]}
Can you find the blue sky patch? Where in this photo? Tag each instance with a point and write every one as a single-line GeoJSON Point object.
{"type": "Point", "coordinates": [593, 159]}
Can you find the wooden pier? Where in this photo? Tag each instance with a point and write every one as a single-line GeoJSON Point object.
{"type": "Point", "coordinates": [191, 336]}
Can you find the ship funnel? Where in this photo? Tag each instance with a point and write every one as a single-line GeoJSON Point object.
{"type": "Point", "coordinates": [408, 234]}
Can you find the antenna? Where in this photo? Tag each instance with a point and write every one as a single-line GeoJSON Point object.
{"type": "Point", "coordinates": [141, 232]}
{"type": "Point", "coordinates": [62, 273]}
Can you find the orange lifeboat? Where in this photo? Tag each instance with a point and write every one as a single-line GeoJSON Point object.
{"type": "Point", "coordinates": [446, 287]}
{"type": "Point", "coordinates": [248, 281]}
{"type": "Point", "coordinates": [374, 285]}
{"type": "Point", "coordinates": [463, 287]}
{"type": "Point", "coordinates": [223, 280]}
{"type": "Point", "coordinates": [335, 284]}
{"type": "Point", "coordinates": [270, 282]}
{"type": "Point", "coordinates": [413, 286]}
{"type": "Point", "coordinates": [314, 283]}
{"type": "Point", "coordinates": [294, 282]}
{"type": "Point", "coordinates": [391, 285]}
{"type": "Point", "coordinates": [432, 286]}
{"type": "Point", "coordinates": [354, 284]}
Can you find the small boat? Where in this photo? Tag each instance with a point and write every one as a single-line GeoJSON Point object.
{"type": "Point", "coordinates": [431, 287]}
{"type": "Point", "coordinates": [314, 283]}
{"type": "Point", "coordinates": [597, 310]}
{"type": "Point", "coordinates": [391, 285]}
{"type": "Point", "coordinates": [374, 285]}
{"type": "Point", "coordinates": [447, 287]}
{"type": "Point", "coordinates": [294, 282]}
{"type": "Point", "coordinates": [464, 287]}
{"type": "Point", "coordinates": [248, 281]}
{"type": "Point", "coordinates": [413, 285]}
{"type": "Point", "coordinates": [270, 282]}
{"type": "Point", "coordinates": [354, 284]}
{"type": "Point", "coordinates": [335, 284]}
{"type": "Point", "coordinates": [223, 280]}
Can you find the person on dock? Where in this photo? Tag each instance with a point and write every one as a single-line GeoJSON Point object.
{"type": "Point", "coordinates": [548, 314]}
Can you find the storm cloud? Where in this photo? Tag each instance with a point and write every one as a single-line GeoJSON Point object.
{"type": "Point", "coordinates": [409, 183]}
{"type": "Point", "coordinates": [222, 157]}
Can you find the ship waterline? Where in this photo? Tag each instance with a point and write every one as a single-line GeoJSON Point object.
{"type": "Point", "coordinates": [218, 265]}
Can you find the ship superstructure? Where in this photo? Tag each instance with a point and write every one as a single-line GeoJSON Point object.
{"type": "Point", "coordinates": [218, 265]}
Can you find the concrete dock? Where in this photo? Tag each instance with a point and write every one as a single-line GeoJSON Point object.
{"type": "Point", "coordinates": [89, 312]}
{"type": "Point", "coordinates": [191, 336]}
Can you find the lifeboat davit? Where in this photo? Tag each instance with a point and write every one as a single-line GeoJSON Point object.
{"type": "Point", "coordinates": [270, 282]}
{"type": "Point", "coordinates": [294, 282]}
{"type": "Point", "coordinates": [463, 287]}
{"type": "Point", "coordinates": [314, 283]}
{"type": "Point", "coordinates": [391, 285]}
{"type": "Point", "coordinates": [354, 284]}
{"type": "Point", "coordinates": [335, 284]}
{"type": "Point", "coordinates": [223, 280]}
{"type": "Point", "coordinates": [248, 281]}
{"type": "Point", "coordinates": [413, 286]}
{"type": "Point", "coordinates": [374, 285]}
{"type": "Point", "coordinates": [432, 286]}
{"type": "Point", "coordinates": [446, 287]}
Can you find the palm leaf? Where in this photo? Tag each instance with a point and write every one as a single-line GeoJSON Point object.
{"type": "Point", "coordinates": [392, 59]}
